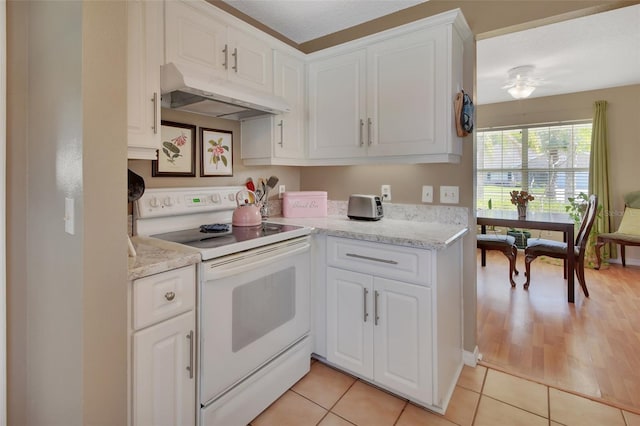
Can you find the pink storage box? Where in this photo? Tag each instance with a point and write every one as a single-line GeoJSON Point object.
{"type": "Point", "coordinates": [304, 204]}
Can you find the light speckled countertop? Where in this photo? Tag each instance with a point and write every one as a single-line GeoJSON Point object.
{"type": "Point", "coordinates": [155, 256]}
{"type": "Point", "coordinates": [431, 228]}
{"type": "Point", "coordinates": [427, 235]}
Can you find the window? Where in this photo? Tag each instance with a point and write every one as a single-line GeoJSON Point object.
{"type": "Point", "coordinates": [551, 162]}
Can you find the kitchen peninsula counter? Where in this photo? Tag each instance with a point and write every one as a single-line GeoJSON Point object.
{"type": "Point", "coordinates": [154, 256]}
{"type": "Point", "coordinates": [415, 234]}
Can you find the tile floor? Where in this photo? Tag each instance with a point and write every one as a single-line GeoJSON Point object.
{"type": "Point", "coordinates": [483, 397]}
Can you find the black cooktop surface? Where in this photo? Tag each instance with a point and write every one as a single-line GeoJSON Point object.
{"type": "Point", "coordinates": [200, 238]}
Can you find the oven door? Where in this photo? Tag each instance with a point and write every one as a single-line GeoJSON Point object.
{"type": "Point", "coordinates": [253, 306]}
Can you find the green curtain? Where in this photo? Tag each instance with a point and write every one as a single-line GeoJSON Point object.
{"type": "Point", "coordinates": [599, 183]}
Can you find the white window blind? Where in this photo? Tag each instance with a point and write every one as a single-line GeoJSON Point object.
{"type": "Point", "coordinates": [551, 162]}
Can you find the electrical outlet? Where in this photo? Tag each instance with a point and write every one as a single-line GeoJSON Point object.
{"type": "Point", "coordinates": [385, 190]}
{"type": "Point", "coordinates": [427, 194]}
{"type": "Point", "coordinates": [281, 190]}
{"type": "Point", "coordinates": [449, 195]}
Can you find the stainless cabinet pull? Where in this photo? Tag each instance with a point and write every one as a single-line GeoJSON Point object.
{"type": "Point", "coordinates": [235, 59]}
{"type": "Point", "coordinates": [190, 366]}
{"type": "Point", "coordinates": [361, 132]}
{"type": "Point", "coordinates": [281, 124]}
{"type": "Point", "coordinates": [369, 130]}
{"type": "Point", "coordinates": [169, 296]}
{"type": "Point", "coordinates": [364, 298]}
{"type": "Point", "coordinates": [375, 259]}
{"type": "Point", "coordinates": [375, 307]}
{"type": "Point", "coordinates": [226, 56]}
{"type": "Point", "coordinates": [155, 112]}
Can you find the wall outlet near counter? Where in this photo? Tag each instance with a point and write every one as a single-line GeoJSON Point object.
{"type": "Point", "coordinates": [449, 195]}
{"type": "Point", "coordinates": [385, 191]}
{"type": "Point", "coordinates": [281, 190]}
{"type": "Point", "coordinates": [427, 194]}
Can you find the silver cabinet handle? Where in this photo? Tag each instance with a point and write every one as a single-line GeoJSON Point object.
{"type": "Point", "coordinates": [364, 298]}
{"type": "Point", "coordinates": [375, 259]}
{"type": "Point", "coordinates": [155, 112]}
{"type": "Point", "coordinates": [226, 56]}
{"type": "Point", "coordinates": [361, 132]}
{"type": "Point", "coordinates": [369, 130]}
{"type": "Point", "coordinates": [375, 307]}
{"type": "Point", "coordinates": [235, 59]}
{"type": "Point", "coordinates": [169, 296]}
{"type": "Point", "coordinates": [190, 366]}
{"type": "Point", "coordinates": [281, 124]}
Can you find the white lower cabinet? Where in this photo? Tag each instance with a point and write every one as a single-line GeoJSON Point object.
{"type": "Point", "coordinates": [164, 381]}
{"type": "Point", "coordinates": [394, 317]}
{"type": "Point", "coordinates": [380, 329]}
{"type": "Point", "coordinates": [163, 349]}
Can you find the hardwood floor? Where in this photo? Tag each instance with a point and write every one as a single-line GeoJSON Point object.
{"type": "Point", "coordinates": [591, 347]}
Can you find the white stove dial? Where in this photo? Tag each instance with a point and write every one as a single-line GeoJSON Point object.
{"type": "Point", "coordinates": [168, 202]}
{"type": "Point", "coordinates": [215, 199]}
{"type": "Point", "coordinates": [153, 202]}
{"type": "Point", "coordinates": [232, 197]}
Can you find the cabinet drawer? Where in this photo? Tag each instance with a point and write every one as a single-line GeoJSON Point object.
{"type": "Point", "coordinates": [162, 296]}
{"type": "Point", "coordinates": [383, 260]}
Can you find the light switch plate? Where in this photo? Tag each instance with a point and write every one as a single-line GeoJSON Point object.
{"type": "Point", "coordinates": [69, 216]}
{"type": "Point", "coordinates": [449, 195]}
{"type": "Point", "coordinates": [427, 194]}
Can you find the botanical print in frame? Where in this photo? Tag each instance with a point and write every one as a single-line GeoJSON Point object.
{"type": "Point", "coordinates": [216, 152]}
{"type": "Point", "coordinates": [177, 154]}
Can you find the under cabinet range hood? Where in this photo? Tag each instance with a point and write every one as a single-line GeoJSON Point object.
{"type": "Point", "coordinates": [185, 90]}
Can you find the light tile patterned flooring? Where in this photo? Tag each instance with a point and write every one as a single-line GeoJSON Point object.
{"type": "Point", "coordinates": [482, 397]}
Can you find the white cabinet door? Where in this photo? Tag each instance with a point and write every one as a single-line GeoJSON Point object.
{"type": "Point", "coordinates": [144, 57]}
{"type": "Point", "coordinates": [403, 338]}
{"type": "Point", "coordinates": [196, 39]}
{"type": "Point", "coordinates": [250, 61]}
{"type": "Point", "coordinates": [163, 375]}
{"type": "Point", "coordinates": [337, 103]}
{"type": "Point", "coordinates": [278, 139]}
{"type": "Point", "coordinates": [350, 321]}
{"type": "Point", "coordinates": [406, 85]}
{"type": "Point", "coordinates": [289, 84]}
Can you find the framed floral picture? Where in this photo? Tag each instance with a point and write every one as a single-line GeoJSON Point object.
{"type": "Point", "coordinates": [177, 154]}
{"type": "Point", "coordinates": [216, 152]}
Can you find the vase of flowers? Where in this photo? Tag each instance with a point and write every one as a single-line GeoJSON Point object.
{"type": "Point", "coordinates": [521, 200]}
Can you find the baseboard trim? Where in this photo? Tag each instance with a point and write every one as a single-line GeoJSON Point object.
{"type": "Point", "coordinates": [471, 358]}
{"type": "Point", "coordinates": [628, 261]}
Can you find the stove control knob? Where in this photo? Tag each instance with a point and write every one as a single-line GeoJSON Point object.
{"type": "Point", "coordinates": [232, 197]}
{"type": "Point", "coordinates": [168, 202]}
{"type": "Point", "coordinates": [153, 202]}
{"type": "Point", "coordinates": [215, 199]}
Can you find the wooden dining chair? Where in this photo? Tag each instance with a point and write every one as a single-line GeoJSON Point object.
{"type": "Point", "coordinates": [504, 243]}
{"type": "Point", "coordinates": [558, 250]}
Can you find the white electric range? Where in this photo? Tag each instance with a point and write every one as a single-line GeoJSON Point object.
{"type": "Point", "coordinates": [253, 299]}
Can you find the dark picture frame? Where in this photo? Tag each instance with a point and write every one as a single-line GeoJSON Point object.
{"type": "Point", "coordinates": [216, 152]}
{"type": "Point", "coordinates": [177, 154]}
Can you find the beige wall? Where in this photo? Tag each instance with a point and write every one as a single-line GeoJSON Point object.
{"type": "Point", "coordinates": [288, 176]}
{"type": "Point", "coordinates": [623, 106]}
{"type": "Point", "coordinates": [67, 293]}
{"type": "Point", "coordinates": [104, 301]}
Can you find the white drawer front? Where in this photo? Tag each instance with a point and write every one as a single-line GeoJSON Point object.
{"type": "Point", "coordinates": [383, 260]}
{"type": "Point", "coordinates": [162, 296]}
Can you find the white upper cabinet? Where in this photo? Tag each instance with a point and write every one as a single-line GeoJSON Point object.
{"type": "Point", "coordinates": [279, 139]}
{"type": "Point", "coordinates": [389, 97]}
{"type": "Point", "coordinates": [199, 39]}
{"type": "Point", "coordinates": [337, 106]}
{"type": "Point", "coordinates": [144, 57]}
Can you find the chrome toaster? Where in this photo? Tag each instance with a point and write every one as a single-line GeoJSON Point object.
{"type": "Point", "coordinates": [365, 207]}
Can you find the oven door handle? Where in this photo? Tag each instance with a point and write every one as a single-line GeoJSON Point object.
{"type": "Point", "coordinates": [252, 260]}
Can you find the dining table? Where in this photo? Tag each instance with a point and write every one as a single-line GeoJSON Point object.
{"type": "Point", "coordinates": [546, 221]}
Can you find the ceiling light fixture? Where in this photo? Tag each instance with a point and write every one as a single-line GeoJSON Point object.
{"type": "Point", "coordinates": [521, 85]}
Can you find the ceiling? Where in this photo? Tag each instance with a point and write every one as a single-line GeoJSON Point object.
{"type": "Point", "coordinates": [587, 53]}
{"type": "Point", "coordinates": [304, 20]}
